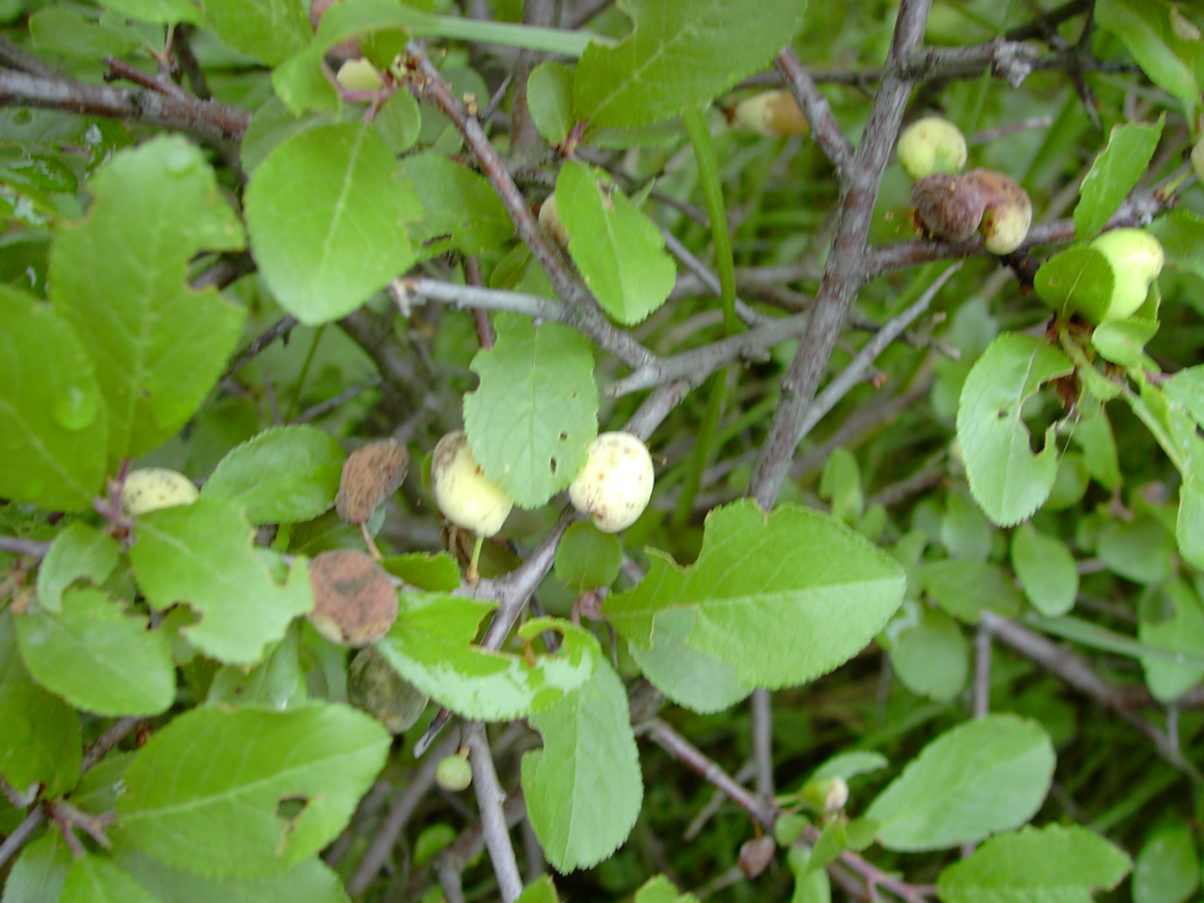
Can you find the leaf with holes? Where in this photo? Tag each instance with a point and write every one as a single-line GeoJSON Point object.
{"type": "Point", "coordinates": [536, 409]}
{"type": "Point", "coordinates": [281, 785]}
{"type": "Point", "coordinates": [1007, 479]}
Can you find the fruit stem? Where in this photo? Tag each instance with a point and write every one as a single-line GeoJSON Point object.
{"type": "Point", "coordinates": [473, 575]}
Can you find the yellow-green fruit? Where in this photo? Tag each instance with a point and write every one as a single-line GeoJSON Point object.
{"type": "Point", "coordinates": [453, 773]}
{"type": "Point", "coordinates": [774, 114]}
{"type": "Point", "coordinates": [549, 219]}
{"type": "Point", "coordinates": [1137, 259]}
{"type": "Point", "coordinates": [152, 488]}
{"type": "Point", "coordinates": [463, 493]}
{"type": "Point", "coordinates": [615, 484]}
{"type": "Point", "coordinates": [929, 145]}
{"type": "Point", "coordinates": [359, 75]}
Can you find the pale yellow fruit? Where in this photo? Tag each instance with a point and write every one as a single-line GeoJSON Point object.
{"type": "Point", "coordinates": [151, 488]}
{"type": "Point", "coordinates": [774, 114]}
{"type": "Point", "coordinates": [1137, 258]}
{"type": "Point", "coordinates": [359, 75]}
{"type": "Point", "coordinates": [549, 219]}
{"type": "Point", "coordinates": [929, 145]}
{"type": "Point", "coordinates": [615, 484]}
{"type": "Point", "coordinates": [467, 497]}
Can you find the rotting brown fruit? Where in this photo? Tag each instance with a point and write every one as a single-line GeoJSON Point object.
{"type": "Point", "coordinates": [953, 206]}
{"type": "Point", "coordinates": [374, 686]}
{"type": "Point", "coordinates": [370, 475]}
{"type": "Point", "coordinates": [355, 603]}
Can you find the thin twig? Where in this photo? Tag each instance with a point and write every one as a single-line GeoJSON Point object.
{"type": "Point", "coordinates": [762, 731]}
{"type": "Point", "coordinates": [214, 123]}
{"type": "Point", "coordinates": [416, 787]}
{"type": "Point", "coordinates": [490, 798]}
{"type": "Point", "coordinates": [278, 330]}
{"type": "Point", "coordinates": [34, 548]}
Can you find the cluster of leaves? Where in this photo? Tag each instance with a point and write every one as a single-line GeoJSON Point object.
{"type": "Point", "coordinates": [150, 237]}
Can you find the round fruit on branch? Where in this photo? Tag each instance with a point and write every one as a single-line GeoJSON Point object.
{"type": "Point", "coordinates": [953, 206]}
{"type": "Point", "coordinates": [1136, 257]}
{"type": "Point", "coordinates": [615, 484]}
{"type": "Point", "coordinates": [467, 497]}
{"type": "Point", "coordinates": [370, 475]}
{"type": "Point", "coordinates": [453, 773]}
{"type": "Point", "coordinates": [931, 145]}
{"type": "Point", "coordinates": [774, 114]}
{"type": "Point", "coordinates": [355, 603]}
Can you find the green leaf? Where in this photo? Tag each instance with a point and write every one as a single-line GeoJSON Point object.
{"type": "Point", "coordinates": [618, 249]}
{"type": "Point", "coordinates": [1007, 480]}
{"type": "Point", "coordinates": [41, 871]}
{"type": "Point", "coordinates": [118, 275]}
{"type": "Point", "coordinates": [1189, 525]}
{"type": "Point", "coordinates": [840, 485]}
{"type": "Point", "coordinates": [1147, 29]}
{"type": "Point", "coordinates": [661, 890]}
{"type": "Point", "coordinates": [928, 651]}
{"type": "Point", "coordinates": [285, 474]}
{"type": "Point", "coordinates": [1093, 434]}
{"type": "Point", "coordinates": [67, 32]}
{"type": "Point", "coordinates": [1114, 174]}
{"type": "Point", "coordinates": [849, 765]}
{"type": "Point", "coordinates": [1168, 867]}
{"type": "Point", "coordinates": [96, 879]}
{"type": "Point", "coordinates": [203, 555]}
{"type": "Point", "coordinates": [810, 884]}
{"type": "Point", "coordinates": [97, 657]}
{"type": "Point", "coordinates": [309, 881]}
{"type": "Point", "coordinates": [587, 558]}
{"type": "Point", "coordinates": [1046, 570]}
{"type": "Point", "coordinates": [1186, 388]}
{"type": "Point", "coordinates": [326, 212]}
{"type": "Point", "coordinates": [161, 11]}
{"type": "Point", "coordinates": [1182, 630]}
{"type": "Point", "coordinates": [535, 410]}
{"type": "Point", "coordinates": [541, 890]}
{"type": "Point", "coordinates": [267, 30]}
{"type": "Point", "coordinates": [79, 552]}
{"type": "Point", "coordinates": [1181, 234]}
{"type": "Point", "coordinates": [461, 209]}
{"type": "Point", "coordinates": [280, 784]}
{"type": "Point", "coordinates": [781, 597]}
{"type": "Point", "coordinates": [1139, 549]}
{"type": "Point", "coordinates": [679, 53]}
{"type": "Point", "coordinates": [437, 572]}
{"type": "Point", "coordinates": [1054, 864]}
{"type": "Point", "coordinates": [689, 677]}
{"type": "Point", "coordinates": [583, 789]}
{"type": "Point", "coordinates": [277, 682]}
{"type": "Point", "coordinates": [1077, 280]}
{"type": "Point", "coordinates": [1123, 341]}
{"type": "Point", "coordinates": [984, 776]}
{"type": "Point", "coordinates": [550, 101]}
{"type": "Point", "coordinates": [965, 588]}
{"type": "Point", "coordinates": [430, 645]}
{"type": "Point", "coordinates": [39, 733]}
{"type": "Point", "coordinates": [53, 428]}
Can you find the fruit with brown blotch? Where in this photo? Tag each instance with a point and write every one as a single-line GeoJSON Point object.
{"type": "Point", "coordinates": [370, 475]}
{"type": "Point", "coordinates": [615, 484]}
{"type": "Point", "coordinates": [931, 145]}
{"type": "Point", "coordinates": [953, 206]}
{"type": "Point", "coordinates": [151, 488]}
{"type": "Point", "coordinates": [355, 603]}
{"type": "Point", "coordinates": [467, 497]}
{"type": "Point", "coordinates": [775, 114]}
{"type": "Point", "coordinates": [359, 75]}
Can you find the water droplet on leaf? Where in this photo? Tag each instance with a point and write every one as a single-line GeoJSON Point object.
{"type": "Point", "coordinates": [75, 408]}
